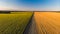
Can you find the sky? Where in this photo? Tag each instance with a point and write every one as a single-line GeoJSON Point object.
{"type": "Point", "coordinates": [30, 5]}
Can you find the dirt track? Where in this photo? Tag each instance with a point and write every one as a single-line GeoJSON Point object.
{"type": "Point", "coordinates": [31, 27]}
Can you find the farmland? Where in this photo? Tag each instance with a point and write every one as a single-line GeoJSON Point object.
{"type": "Point", "coordinates": [42, 23]}
{"type": "Point", "coordinates": [14, 23]}
{"type": "Point", "coordinates": [47, 22]}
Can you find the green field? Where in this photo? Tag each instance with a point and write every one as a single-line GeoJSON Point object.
{"type": "Point", "coordinates": [14, 23]}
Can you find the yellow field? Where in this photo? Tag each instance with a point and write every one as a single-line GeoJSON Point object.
{"type": "Point", "coordinates": [14, 23]}
{"type": "Point", "coordinates": [47, 22]}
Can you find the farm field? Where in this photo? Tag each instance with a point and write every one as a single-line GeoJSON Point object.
{"type": "Point", "coordinates": [14, 23]}
{"type": "Point", "coordinates": [47, 22]}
